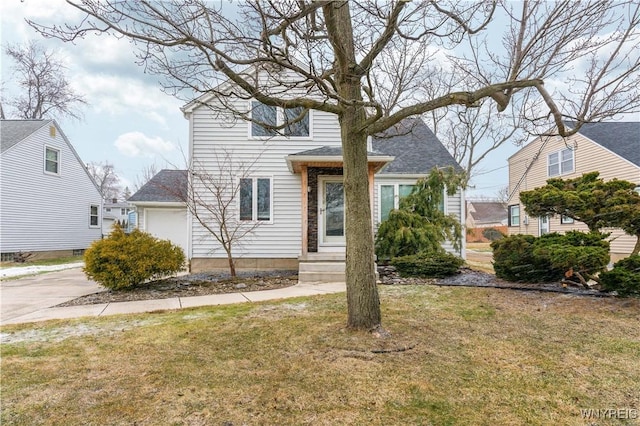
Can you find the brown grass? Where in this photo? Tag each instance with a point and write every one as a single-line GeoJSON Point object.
{"type": "Point", "coordinates": [456, 356]}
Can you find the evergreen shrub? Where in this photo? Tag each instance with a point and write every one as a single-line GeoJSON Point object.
{"type": "Point", "coordinates": [427, 265]}
{"type": "Point", "coordinates": [624, 278]}
{"type": "Point", "coordinates": [124, 261]}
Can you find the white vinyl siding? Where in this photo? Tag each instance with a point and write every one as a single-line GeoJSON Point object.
{"type": "Point", "coordinates": [40, 213]}
{"type": "Point", "coordinates": [281, 236]}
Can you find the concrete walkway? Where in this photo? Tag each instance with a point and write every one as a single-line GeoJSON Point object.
{"type": "Point", "coordinates": [32, 299]}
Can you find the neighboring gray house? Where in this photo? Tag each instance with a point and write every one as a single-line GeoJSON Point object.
{"type": "Point", "coordinates": [50, 204]}
{"type": "Point", "coordinates": [160, 207]}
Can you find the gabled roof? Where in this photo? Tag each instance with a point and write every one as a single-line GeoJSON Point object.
{"type": "Point", "coordinates": [417, 150]}
{"type": "Point", "coordinates": [167, 186]}
{"type": "Point", "coordinates": [488, 211]}
{"type": "Point", "coordinates": [621, 138]}
{"type": "Point", "coordinates": [15, 131]}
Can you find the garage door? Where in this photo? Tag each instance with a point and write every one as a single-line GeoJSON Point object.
{"type": "Point", "coordinates": [169, 225]}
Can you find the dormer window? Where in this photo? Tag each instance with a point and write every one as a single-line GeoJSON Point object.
{"type": "Point", "coordinates": [267, 116]}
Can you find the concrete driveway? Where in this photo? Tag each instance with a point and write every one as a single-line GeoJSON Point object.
{"type": "Point", "coordinates": [23, 296]}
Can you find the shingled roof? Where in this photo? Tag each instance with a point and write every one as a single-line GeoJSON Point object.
{"type": "Point", "coordinates": [621, 138]}
{"type": "Point", "coordinates": [417, 150]}
{"type": "Point", "coordinates": [166, 186]}
{"type": "Point", "coordinates": [14, 131]}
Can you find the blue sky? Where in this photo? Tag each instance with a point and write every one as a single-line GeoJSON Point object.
{"type": "Point", "coordinates": [129, 121]}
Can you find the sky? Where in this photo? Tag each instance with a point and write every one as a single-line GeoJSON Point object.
{"type": "Point", "coordinates": [129, 122]}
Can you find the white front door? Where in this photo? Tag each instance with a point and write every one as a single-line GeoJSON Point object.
{"type": "Point", "coordinates": [544, 225]}
{"type": "Point", "coordinates": [331, 212]}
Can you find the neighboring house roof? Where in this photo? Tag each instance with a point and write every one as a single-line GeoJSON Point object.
{"type": "Point", "coordinates": [166, 186]}
{"type": "Point", "coordinates": [622, 138]}
{"type": "Point", "coordinates": [417, 150]}
{"type": "Point", "coordinates": [14, 131]}
{"type": "Point", "coordinates": [487, 211]}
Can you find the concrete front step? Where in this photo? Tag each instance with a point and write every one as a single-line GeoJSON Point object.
{"type": "Point", "coordinates": [321, 272]}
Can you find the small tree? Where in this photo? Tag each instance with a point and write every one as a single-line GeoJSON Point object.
{"type": "Point", "coordinates": [591, 200]}
{"type": "Point", "coordinates": [420, 225]}
{"type": "Point", "coordinates": [212, 197]}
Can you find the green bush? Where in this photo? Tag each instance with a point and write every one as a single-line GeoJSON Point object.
{"type": "Point", "coordinates": [624, 277]}
{"type": "Point", "coordinates": [123, 261]}
{"type": "Point", "coordinates": [525, 258]}
{"type": "Point", "coordinates": [513, 260]}
{"type": "Point", "coordinates": [432, 265]}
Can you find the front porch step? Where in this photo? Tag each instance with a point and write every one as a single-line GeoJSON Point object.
{"type": "Point", "coordinates": [321, 272]}
{"type": "Point", "coordinates": [322, 268]}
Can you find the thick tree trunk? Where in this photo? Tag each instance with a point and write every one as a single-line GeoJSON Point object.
{"type": "Point", "coordinates": [363, 303]}
{"type": "Point", "coordinates": [362, 293]}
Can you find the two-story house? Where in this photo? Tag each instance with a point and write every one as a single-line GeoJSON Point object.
{"type": "Point", "coordinates": [612, 149]}
{"type": "Point", "coordinates": [294, 189]}
{"type": "Point", "coordinates": [51, 206]}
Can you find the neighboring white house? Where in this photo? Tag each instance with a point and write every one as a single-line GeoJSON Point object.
{"type": "Point", "coordinates": [50, 204]}
{"type": "Point", "coordinates": [114, 211]}
{"type": "Point", "coordinates": [610, 148]}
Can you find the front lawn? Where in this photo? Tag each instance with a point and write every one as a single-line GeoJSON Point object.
{"type": "Point", "coordinates": [465, 356]}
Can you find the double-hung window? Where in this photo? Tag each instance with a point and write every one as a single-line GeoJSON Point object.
{"type": "Point", "coordinates": [266, 118]}
{"type": "Point", "coordinates": [94, 216]}
{"type": "Point", "coordinates": [255, 199]}
{"type": "Point", "coordinates": [52, 160]}
{"type": "Point", "coordinates": [514, 215]}
{"type": "Point", "coordinates": [560, 162]}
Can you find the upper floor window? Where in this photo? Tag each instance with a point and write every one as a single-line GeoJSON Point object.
{"type": "Point", "coordinates": [514, 215]}
{"type": "Point", "coordinates": [560, 163]}
{"type": "Point", "coordinates": [255, 199]}
{"type": "Point", "coordinates": [52, 160]}
{"type": "Point", "coordinates": [270, 116]}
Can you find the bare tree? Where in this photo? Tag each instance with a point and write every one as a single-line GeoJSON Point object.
{"type": "Point", "coordinates": [333, 56]}
{"type": "Point", "coordinates": [105, 175]}
{"type": "Point", "coordinates": [211, 196]}
{"type": "Point", "coordinates": [145, 175]}
{"type": "Point", "coordinates": [44, 89]}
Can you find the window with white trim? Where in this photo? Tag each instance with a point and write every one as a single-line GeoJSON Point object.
{"type": "Point", "coordinates": [390, 196]}
{"type": "Point", "coordinates": [274, 116]}
{"type": "Point", "coordinates": [514, 215]}
{"type": "Point", "coordinates": [94, 216]}
{"type": "Point", "coordinates": [51, 160]}
{"type": "Point", "coordinates": [560, 162]}
{"type": "Point", "coordinates": [565, 220]}
{"type": "Point", "coordinates": [255, 199]}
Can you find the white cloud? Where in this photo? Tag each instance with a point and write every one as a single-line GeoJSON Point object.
{"type": "Point", "coordinates": [137, 144]}
{"type": "Point", "coordinates": [116, 95]}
